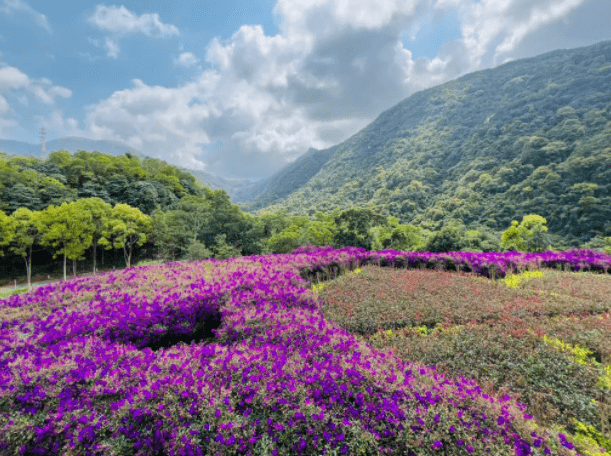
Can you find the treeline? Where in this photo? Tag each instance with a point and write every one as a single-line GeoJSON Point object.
{"type": "Point", "coordinates": [188, 221]}
{"type": "Point", "coordinates": [210, 226]}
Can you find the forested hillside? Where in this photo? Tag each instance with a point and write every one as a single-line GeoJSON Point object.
{"type": "Point", "coordinates": [35, 183]}
{"type": "Point", "coordinates": [115, 148]}
{"type": "Point", "coordinates": [530, 136]}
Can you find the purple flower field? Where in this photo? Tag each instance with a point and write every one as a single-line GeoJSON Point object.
{"type": "Point", "coordinates": [235, 357]}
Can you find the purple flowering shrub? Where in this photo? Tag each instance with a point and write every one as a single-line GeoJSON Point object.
{"type": "Point", "coordinates": [234, 357]}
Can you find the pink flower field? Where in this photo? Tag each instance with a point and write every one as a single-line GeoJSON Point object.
{"type": "Point", "coordinates": [236, 357]}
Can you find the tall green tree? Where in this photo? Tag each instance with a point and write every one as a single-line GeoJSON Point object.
{"type": "Point", "coordinates": [66, 228]}
{"type": "Point", "coordinates": [395, 236]}
{"type": "Point", "coordinates": [222, 217]}
{"type": "Point", "coordinates": [25, 236]}
{"type": "Point", "coordinates": [6, 230]}
{"type": "Point", "coordinates": [447, 239]}
{"type": "Point", "coordinates": [194, 211]}
{"type": "Point", "coordinates": [170, 233]}
{"type": "Point", "coordinates": [100, 214]}
{"type": "Point", "coordinates": [528, 236]}
{"type": "Point", "coordinates": [127, 227]}
{"type": "Point", "coordinates": [354, 227]}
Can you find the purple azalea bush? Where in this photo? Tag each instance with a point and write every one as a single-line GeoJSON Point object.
{"type": "Point", "coordinates": [235, 357]}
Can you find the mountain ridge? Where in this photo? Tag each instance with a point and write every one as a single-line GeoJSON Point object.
{"type": "Point", "coordinates": [473, 148]}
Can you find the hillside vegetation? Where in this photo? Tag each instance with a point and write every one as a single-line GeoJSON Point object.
{"type": "Point", "coordinates": [146, 183]}
{"type": "Point", "coordinates": [530, 136]}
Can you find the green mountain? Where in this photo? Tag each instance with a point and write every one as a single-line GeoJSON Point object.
{"type": "Point", "coordinates": [296, 174]}
{"type": "Point", "coordinates": [529, 136]}
{"type": "Point", "coordinates": [115, 148]}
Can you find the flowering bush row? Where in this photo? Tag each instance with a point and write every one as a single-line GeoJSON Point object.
{"type": "Point", "coordinates": [234, 357]}
{"type": "Point", "coordinates": [492, 264]}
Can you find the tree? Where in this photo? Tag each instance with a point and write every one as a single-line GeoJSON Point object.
{"type": "Point", "coordinates": [394, 236]}
{"type": "Point", "coordinates": [197, 251]}
{"type": "Point", "coordinates": [222, 217]}
{"type": "Point", "coordinates": [194, 211]}
{"type": "Point", "coordinates": [528, 236]}
{"type": "Point", "coordinates": [448, 239]}
{"type": "Point", "coordinates": [175, 231]}
{"type": "Point", "coordinates": [164, 241]}
{"type": "Point", "coordinates": [127, 227]}
{"type": "Point", "coordinates": [6, 230]}
{"type": "Point", "coordinates": [354, 225]}
{"type": "Point", "coordinates": [406, 238]}
{"type": "Point", "coordinates": [479, 241]}
{"type": "Point", "coordinates": [66, 228]}
{"type": "Point", "coordinates": [284, 242]}
{"type": "Point", "coordinates": [52, 191]}
{"type": "Point", "coordinates": [25, 235]}
{"type": "Point", "coordinates": [222, 250]}
{"type": "Point", "coordinates": [100, 213]}
{"type": "Point", "coordinates": [318, 233]}
{"type": "Point", "coordinates": [536, 240]}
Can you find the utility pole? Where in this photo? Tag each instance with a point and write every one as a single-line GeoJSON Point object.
{"type": "Point", "coordinates": [43, 142]}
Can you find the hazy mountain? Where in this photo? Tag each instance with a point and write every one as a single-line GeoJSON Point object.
{"type": "Point", "coordinates": [19, 148]}
{"type": "Point", "coordinates": [233, 187]}
{"type": "Point", "coordinates": [530, 136]}
{"type": "Point", "coordinates": [71, 143]}
{"type": "Point", "coordinates": [295, 174]}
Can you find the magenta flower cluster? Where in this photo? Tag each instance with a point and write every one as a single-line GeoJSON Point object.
{"type": "Point", "coordinates": [496, 264]}
{"type": "Point", "coordinates": [189, 359]}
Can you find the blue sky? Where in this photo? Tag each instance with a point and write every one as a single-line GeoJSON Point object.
{"type": "Point", "coordinates": [241, 88]}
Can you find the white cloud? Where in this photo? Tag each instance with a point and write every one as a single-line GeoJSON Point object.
{"type": "Point", "coordinates": [12, 78]}
{"type": "Point", "coordinates": [334, 66]}
{"type": "Point", "coordinates": [121, 20]}
{"type": "Point", "coordinates": [61, 92]}
{"type": "Point", "coordinates": [19, 6]}
{"type": "Point", "coordinates": [494, 29]}
{"type": "Point", "coordinates": [186, 59]}
{"type": "Point", "coordinates": [4, 107]}
{"type": "Point", "coordinates": [16, 85]}
{"type": "Point", "coordinates": [55, 123]}
{"type": "Point", "coordinates": [112, 48]}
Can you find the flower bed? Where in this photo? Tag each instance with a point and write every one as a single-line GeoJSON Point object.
{"type": "Point", "coordinates": [236, 357]}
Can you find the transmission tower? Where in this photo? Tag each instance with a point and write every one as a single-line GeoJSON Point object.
{"type": "Point", "coordinates": [43, 143]}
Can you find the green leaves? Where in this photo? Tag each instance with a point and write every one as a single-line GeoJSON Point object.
{"type": "Point", "coordinates": [528, 236]}
{"type": "Point", "coordinates": [6, 230]}
{"type": "Point", "coordinates": [25, 231]}
{"type": "Point", "coordinates": [25, 235]}
{"type": "Point", "coordinates": [66, 228]}
{"type": "Point", "coordinates": [127, 227]}
{"type": "Point", "coordinates": [396, 236]}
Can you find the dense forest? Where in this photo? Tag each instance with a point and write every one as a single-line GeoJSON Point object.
{"type": "Point", "coordinates": [68, 207]}
{"type": "Point", "coordinates": [530, 136]}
